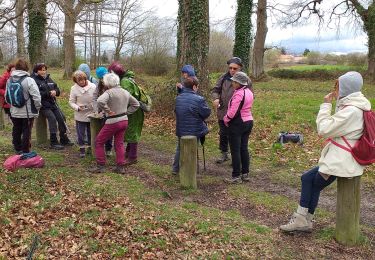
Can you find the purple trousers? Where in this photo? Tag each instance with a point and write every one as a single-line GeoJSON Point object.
{"type": "Point", "coordinates": [117, 130]}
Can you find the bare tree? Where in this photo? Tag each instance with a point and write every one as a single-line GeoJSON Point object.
{"type": "Point", "coordinates": [71, 10]}
{"type": "Point", "coordinates": [260, 39]}
{"type": "Point", "coordinates": [358, 12]}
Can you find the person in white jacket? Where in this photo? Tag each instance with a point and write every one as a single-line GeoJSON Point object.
{"type": "Point", "coordinates": [81, 100]}
{"type": "Point", "coordinates": [347, 121]}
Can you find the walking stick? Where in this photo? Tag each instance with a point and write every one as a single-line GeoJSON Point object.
{"type": "Point", "coordinates": [204, 159]}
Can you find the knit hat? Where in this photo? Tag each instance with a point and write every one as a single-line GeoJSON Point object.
{"type": "Point", "coordinates": [188, 69]}
{"type": "Point", "coordinates": [349, 83]}
{"type": "Point", "coordinates": [117, 68]}
{"type": "Point", "coordinates": [241, 78]}
{"type": "Point", "coordinates": [235, 60]}
{"type": "Point", "coordinates": [85, 68]}
{"type": "Point", "coordinates": [101, 71]}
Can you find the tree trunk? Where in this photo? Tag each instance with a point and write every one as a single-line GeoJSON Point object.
{"type": "Point", "coordinates": [370, 30]}
{"type": "Point", "coordinates": [260, 39]}
{"type": "Point", "coordinates": [21, 51]}
{"type": "Point", "coordinates": [193, 37]}
{"type": "Point", "coordinates": [69, 46]}
{"type": "Point", "coordinates": [37, 29]}
{"type": "Point", "coordinates": [242, 42]}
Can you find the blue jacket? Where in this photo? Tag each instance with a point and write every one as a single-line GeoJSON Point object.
{"type": "Point", "coordinates": [191, 111]}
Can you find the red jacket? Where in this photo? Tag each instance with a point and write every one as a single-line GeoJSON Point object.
{"type": "Point", "coordinates": [3, 82]}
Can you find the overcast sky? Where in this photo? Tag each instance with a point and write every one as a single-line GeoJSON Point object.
{"type": "Point", "coordinates": [293, 39]}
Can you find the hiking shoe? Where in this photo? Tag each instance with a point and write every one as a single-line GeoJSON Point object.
{"type": "Point", "coordinates": [64, 140]}
{"type": "Point", "coordinates": [97, 169]}
{"type": "Point", "coordinates": [298, 221]}
{"type": "Point", "coordinates": [108, 153]}
{"type": "Point", "coordinates": [56, 146]}
{"type": "Point", "coordinates": [223, 158]}
{"type": "Point", "coordinates": [245, 177]}
{"type": "Point", "coordinates": [233, 180]}
{"type": "Point", "coordinates": [130, 162]}
{"type": "Point", "coordinates": [120, 169]}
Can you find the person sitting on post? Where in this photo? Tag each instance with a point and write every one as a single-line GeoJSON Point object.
{"type": "Point", "coordinates": [56, 120]}
{"type": "Point", "coordinates": [347, 121]}
{"type": "Point", "coordinates": [191, 110]}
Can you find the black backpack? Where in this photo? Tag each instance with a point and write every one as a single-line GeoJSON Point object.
{"type": "Point", "coordinates": [14, 92]}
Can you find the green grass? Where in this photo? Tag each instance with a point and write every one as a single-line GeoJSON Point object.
{"type": "Point", "coordinates": [326, 67]}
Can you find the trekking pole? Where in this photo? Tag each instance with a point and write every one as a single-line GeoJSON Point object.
{"type": "Point", "coordinates": [204, 159]}
{"type": "Point", "coordinates": [197, 160]}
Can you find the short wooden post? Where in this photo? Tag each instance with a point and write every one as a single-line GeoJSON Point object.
{"type": "Point", "coordinates": [41, 130]}
{"type": "Point", "coordinates": [348, 210]}
{"type": "Point", "coordinates": [188, 161]}
{"type": "Point", "coordinates": [95, 126]}
{"type": "Point", "coordinates": [2, 115]}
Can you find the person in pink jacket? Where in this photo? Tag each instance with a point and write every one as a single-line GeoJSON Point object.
{"type": "Point", "coordinates": [239, 121]}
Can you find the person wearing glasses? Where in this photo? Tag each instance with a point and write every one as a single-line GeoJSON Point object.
{"type": "Point", "coordinates": [221, 94]}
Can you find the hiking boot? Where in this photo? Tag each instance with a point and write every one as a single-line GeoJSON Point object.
{"type": "Point", "coordinates": [309, 218]}
{"type": "Point", "coordinates": [130, 162]}
{"type": "Point", "coordinates": [82, 152]}
{"type": "Point", "coordinates": [120, 169]}
{"type": "Point", "coordinates": [55, 143]}
{"type": "Point", "coordinates": [97, 169]}
{"type": "Point", "coordinates": [64, 140]}
{"type": "Point", "coordinates": [298, 222]}
{"type": "Point", "coordinates": [245, 177]}
{"type": "Point", "coordinates": [233, 180]}
{"type": "Point", "coordinates": [224, 157]}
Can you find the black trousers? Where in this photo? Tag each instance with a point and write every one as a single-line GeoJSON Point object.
{"type": "Point", "coordinates": [238, 141]}
{"type": "Point", "coordinates": [21, 134]}
{"type": "Point", "coordinates": [223, 137]}
{"type": "Point", "coordinates": [54, 118]}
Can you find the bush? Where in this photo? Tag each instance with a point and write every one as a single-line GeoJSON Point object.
{"type": "Point", "coordinates": [314, 58]}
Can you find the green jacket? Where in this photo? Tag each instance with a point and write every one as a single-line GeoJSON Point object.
{"type": "Point", "coordinates": [135, 120]}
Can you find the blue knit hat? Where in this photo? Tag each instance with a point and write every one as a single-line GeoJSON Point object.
{"type": "Point", "coordinates": [188, 69]}
{"type": "Point", "coordinates": [101, 71]}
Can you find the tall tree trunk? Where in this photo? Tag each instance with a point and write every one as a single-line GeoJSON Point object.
{"type": "Point", "coordinates": [69, 46]}
{"type": "Point", "coordinates": [21, 51]}
{"type": "Point", "coordinates": [242, 42]}
{"type": "Point", "coordinates": [193, 37]}
{"type": "Point", "coordinates": [260, 39]}
{"type": "Point", "coordinates": [369, 27]}
{"type": "Point", "coordinates": [37, 29]}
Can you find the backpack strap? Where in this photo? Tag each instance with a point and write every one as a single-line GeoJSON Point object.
{"type": "Point", "coordinates": [340, 145]}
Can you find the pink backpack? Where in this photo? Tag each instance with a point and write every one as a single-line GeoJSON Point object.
{"type": "Point", "coordinates": [363, 150]}
{"type": "Point", "coordinates": [14, 162]}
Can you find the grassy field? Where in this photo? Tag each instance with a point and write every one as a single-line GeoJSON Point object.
{"type": "Point", "coordinates": [145, 214]}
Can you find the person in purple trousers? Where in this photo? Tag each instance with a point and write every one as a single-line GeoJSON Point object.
{"type": "Point", "coordinates": [117, 104]}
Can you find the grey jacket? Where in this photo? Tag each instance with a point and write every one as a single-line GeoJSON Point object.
{"type": "Point", "coordinates": [31, 94]}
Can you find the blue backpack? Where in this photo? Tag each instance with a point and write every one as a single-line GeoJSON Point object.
{"type": "Point", "coordinates": [14, 92]}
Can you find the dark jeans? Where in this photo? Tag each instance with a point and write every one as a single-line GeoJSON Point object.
{"type": "Point", "coordinates": [21, 134]}
{"type": "Point", "coordinates": [238, 141]}
{"type": "Point", "coordinates": [223, 137]}
{"type": "Point", "coordinates": [54, 118]}
{"type": "Point", "coordinates": [312, 184]}
{"type": "Point", "coordinates": [83, 130]}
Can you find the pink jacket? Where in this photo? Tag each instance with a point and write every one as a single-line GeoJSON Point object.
{"type": "Point", "coordinates": [235, 102]}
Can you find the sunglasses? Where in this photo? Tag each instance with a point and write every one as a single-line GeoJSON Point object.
{"type": "Point", "coordinates": [233, 68]}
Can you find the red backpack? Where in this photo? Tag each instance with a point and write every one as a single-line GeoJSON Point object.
{"type": "Point", "coordinates": [363, 150]}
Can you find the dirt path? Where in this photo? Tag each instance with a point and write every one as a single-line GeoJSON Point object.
{"type": "Point", "coordinates": [216, 194]}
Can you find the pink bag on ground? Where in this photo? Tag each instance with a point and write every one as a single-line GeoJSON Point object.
{"type": "Point", "coordinates": [14, 162]}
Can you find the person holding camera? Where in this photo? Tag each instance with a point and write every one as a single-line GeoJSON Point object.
{"type": "Point", "coordinates": [191, 110]}
{"type": "Point", "coordinates": [221, 95]}
{"type": "Point", "coordinates": [239, 121]}
{"type": "Point", "coordinates": [81, 100]}
{"type": "Point", "coordinates": [347, 121]}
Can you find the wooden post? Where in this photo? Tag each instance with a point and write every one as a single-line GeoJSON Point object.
{"type": "Point", "coordinates": [95, 126]}
{"type": "Point", "coordinates": [41, 130]}
{"type": "Point", "coordinates": [348, 210]}
{"type": "Point", "coordinates": [2, 121]}
{"type": "Point", "coordinates": [188, 161]}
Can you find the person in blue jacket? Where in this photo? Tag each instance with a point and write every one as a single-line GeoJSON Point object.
{"type": "Point", "coordinates": [186, 71]}
{"type": "Point", "coordinates": [191, 110]}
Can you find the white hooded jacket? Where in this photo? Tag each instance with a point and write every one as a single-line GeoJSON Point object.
{"type": "Point", "coordinates": [347, 122]}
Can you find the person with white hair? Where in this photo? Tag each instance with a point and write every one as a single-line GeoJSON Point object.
{"type": "Point", "coordinates": [347, 122]}
{"type": "Point", "coordinates": [117, 104]}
